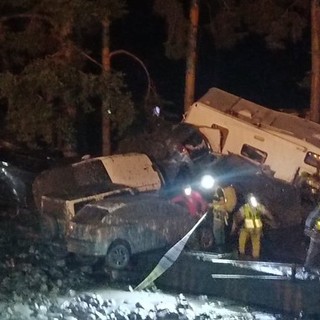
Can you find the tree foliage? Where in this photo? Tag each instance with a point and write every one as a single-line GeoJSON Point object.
{"type": "Point", "coordinates": [43, 98]}
{"type": "Point", "coordinates": [230, 21]}
{"type": "Point", "coordinates": [177, 26]}
{"type": "Point", "coordinates": [279, 21]}
{"type": "Point", "coordinates": [45, 78]}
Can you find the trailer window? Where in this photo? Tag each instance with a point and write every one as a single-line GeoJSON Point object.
{"type": "Point", "coordinates": [312, 159]}
{"type": "Point", "coordinates": [253, 153]}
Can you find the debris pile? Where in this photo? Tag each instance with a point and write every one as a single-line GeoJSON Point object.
{"type": "Point", "coordinates": [91, 306]}
{"type": "Point", "coordinates": [35, 285]}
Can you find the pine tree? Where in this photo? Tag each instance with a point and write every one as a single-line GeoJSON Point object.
{"type": "Point", "coordinates": [48, 74]}
{"type": "Point", "coordinates": [278, 22]}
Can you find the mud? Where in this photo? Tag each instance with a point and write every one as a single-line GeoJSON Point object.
{"type": "Point", "coordinates": [36, 284]}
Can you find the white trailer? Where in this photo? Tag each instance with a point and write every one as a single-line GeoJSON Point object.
{"type": "Point", "coordinates": [285, 144]}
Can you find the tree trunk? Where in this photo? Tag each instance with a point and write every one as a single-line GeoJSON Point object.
{"type": "Point", "coordinates": [315, 68]}
{"type": "Point", "coordinates": [106, 125]}
{"type": "Point", "coordinates": [191, 55]}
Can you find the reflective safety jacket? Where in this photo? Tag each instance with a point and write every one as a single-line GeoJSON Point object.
{"type": "Point", "coordinates": [252, 217]}
{"type": "Point", "coordinates": [219, 205]}
{"type": "Point", "coordinates": [317, 225]}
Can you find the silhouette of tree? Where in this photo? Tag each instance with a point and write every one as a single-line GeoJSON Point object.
{"type": "Point", "coordinates": [46, 80]}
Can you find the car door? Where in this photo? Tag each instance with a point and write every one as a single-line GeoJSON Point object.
{"type": "Point", "coordinates": [140, 225]}
{"type": "Point", "coordinates": [175, 222]}
{"type": "Point", "coordinates": [155, 224]}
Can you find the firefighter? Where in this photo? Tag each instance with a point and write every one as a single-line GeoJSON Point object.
{"type": "Point", "coordinates": [192, 200]}
{"type": "Point", "coordinates": [312, 229]}
{"type": "Point", "coordinates": [223, 202]}
{"type": "Point", "coordinates": [249, 220]}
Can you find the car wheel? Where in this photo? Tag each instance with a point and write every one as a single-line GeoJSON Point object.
{"type": "Point", "coordinates": [206, 239]}
{"type": "Point", "coordinates": [118, 255]}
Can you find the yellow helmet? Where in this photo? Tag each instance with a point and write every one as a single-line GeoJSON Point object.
{"type": "Point", "coordinates": [229, 197]}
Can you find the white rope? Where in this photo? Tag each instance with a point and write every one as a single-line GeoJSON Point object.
{"type": "Point", "coordinates": [168, 259]}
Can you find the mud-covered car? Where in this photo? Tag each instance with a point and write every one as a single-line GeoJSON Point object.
{"type": "Point", "coordinates": [61, 192]}
{"type": "Point", "coordinates": [119, 227]}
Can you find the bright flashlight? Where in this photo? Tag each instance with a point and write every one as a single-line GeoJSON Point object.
{"type": "Point", "coordinates": [207, 182]}
{"type": "Point", "coordinates": [187, 191]}
{"type": "Point", "coordinates": [253, 201]}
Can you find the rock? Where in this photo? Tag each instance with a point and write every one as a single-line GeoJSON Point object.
{"type": "Point", "coordinates": [37, 279]}
{"type": "Point", "coordinates": [59, 283]}
{"type": "Point", "coordinates": [61, 263]}
{"type": "Point", "coordinates": [43, 309]}
{"type": "Point", "coordinates": [71, 293]}
{"type": "Point", "coordinates": [44, 288]}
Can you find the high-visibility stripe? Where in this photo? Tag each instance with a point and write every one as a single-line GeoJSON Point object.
{"type": "Point", "coordinates": [252, 217]}
{"type": "Point", "coordinates": [168, 259]}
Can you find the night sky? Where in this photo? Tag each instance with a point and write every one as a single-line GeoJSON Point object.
{"type": "Point", "coordinates": [248, 70]}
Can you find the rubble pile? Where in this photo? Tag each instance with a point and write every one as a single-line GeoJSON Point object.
{"type": "Point", "coordinates": [90, 306]}
{"type": "Point", "coordinates": [34, 284]}
{"type": "Point", "coordinates": [28, 271]}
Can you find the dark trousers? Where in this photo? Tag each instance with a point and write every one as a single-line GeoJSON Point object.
{"type": "Point", "coordinates": [313, 254]}
{"type": "Point", "coordinates": [219, 228]}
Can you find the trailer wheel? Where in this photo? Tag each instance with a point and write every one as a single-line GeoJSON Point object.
{"type": "Point", "coordinates": [118, 255]}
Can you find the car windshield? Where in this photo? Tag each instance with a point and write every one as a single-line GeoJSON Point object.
{"type": "Point", "coordinates": [92, 216]}
{"type": "Point", "coordinates": [89, 173]}
{"type": "Point", "coordinates": [85, 178]}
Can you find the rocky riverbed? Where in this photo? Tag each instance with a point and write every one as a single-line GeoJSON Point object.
{"type": "Point", "coordinates": [35, 284]}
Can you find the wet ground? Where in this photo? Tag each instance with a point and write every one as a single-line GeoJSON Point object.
{"type": "Point", "coordinates": [287, 245]}
{"type": "Point", "coordinates": [35, 284]}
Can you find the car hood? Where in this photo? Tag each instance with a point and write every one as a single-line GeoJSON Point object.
{"type": "Point", "coordinates": [125, 208]}
{"type": "Point", "coordinates": [113, 203]}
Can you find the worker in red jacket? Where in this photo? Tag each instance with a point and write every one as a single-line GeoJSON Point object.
{"type": "Point", "coordinates": [193, 201]}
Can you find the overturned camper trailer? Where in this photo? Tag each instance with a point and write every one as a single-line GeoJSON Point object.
{"type": "Point", "coordinates": [287, 145]}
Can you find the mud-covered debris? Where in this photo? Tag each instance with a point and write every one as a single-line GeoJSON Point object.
{"type": "Point", "coordinates": [93, 306]}
{"type": "Point", "coordinates": [34, 285]}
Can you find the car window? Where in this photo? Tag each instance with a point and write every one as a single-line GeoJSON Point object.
{"type": "Point", "coordinates": [115, 195]}
{"type": "Point", "coordinates": [91, 215]}
{"type": "Point", "coordinates": [89, 173]}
